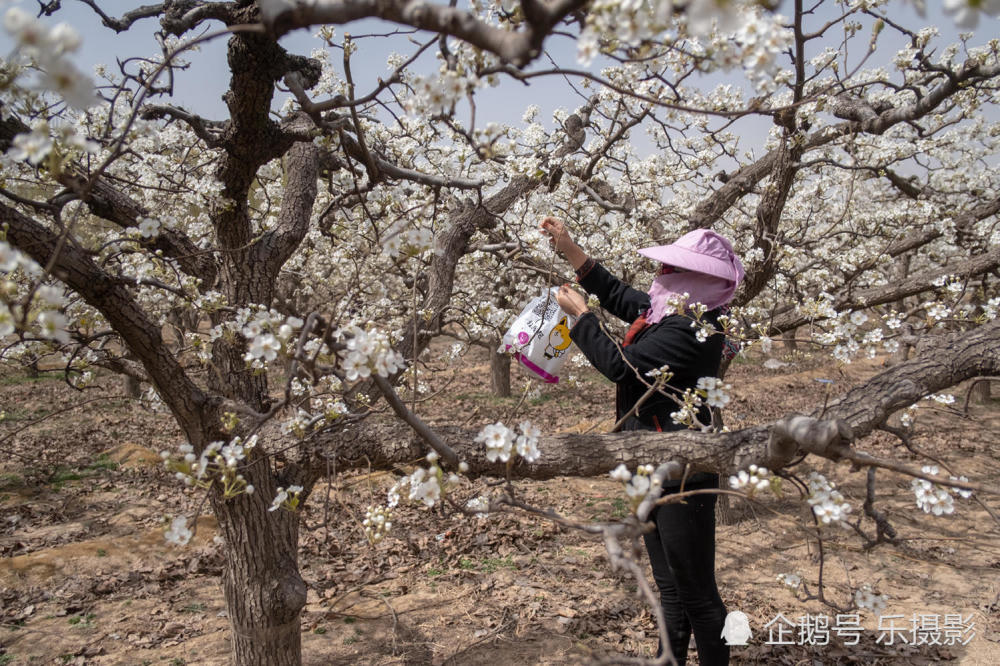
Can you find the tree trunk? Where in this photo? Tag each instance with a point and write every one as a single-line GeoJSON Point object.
{"type": "Point", "coordinates": [903, 353]}
{"type": "Point", "coordinates": [132, 387]}
{"type": "Point", "coordinates": [263, 589]}
{"type": "Point", "coordinates": [902, 272]}
{"type": "Point", "coordinates": [981, 392]}
{"type": "Point", "coordinates": [499, 371]}
{"type": "Point", "coordinates": [788, 338]}
{"type": "Point", "coordinates": [728, 509]}
{"type": "Point", "coordinates": [32, 367]}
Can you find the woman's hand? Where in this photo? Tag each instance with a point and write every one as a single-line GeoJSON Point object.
{"type": "Point", "coordinates": [560, 239]}
{"type": "Point", "coordinates": [571, 302]}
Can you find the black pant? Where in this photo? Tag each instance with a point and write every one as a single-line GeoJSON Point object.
{"type": "Point", "coordinates": [682, 552]}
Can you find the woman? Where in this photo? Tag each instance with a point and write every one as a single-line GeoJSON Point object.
{"type": "Point", "coordinates": [682, 547]}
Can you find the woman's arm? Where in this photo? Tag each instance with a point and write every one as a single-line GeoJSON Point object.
{"type": "Point", "coordinates": [616, 297]}
{"type": "Point", "coordinates": [673, 343]}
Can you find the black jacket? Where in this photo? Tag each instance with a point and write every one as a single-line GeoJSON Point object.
{"type": "Point", "coordinates": [670, 341]}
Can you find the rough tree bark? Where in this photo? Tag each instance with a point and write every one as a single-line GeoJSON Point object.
{"type": "Point", "coordinates": [499, 371]}
{"type": "Point", "coordinates": [264, 592]}
{"type": "Point", "coordinates": [943, 362]}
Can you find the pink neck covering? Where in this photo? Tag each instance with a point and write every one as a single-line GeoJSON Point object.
{"type": "Point", "coordinates": [709, 290]}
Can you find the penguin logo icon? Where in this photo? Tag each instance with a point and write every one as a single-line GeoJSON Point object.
{"type": "Point", "coordinates": [737, 628]}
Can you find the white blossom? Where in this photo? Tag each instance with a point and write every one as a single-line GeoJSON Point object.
{"type": "Point", "coordinates": [498, 440]}
{"type": "Point", "coordinates": [621, 473]}
{"type": "Point", "coordinates": [714, 391]}
{"type": "Point", "coordinates": [794, 581]}
{"type": "Point", "coordinates": [966, 12]}
{"type": "Point", "coordinates": [53, 324]}
{"type": "Point", "coordinates": [865, 597]}
{"type": "Point", "coordinates": [264, 347]}
{"type": "Point", "coordinates": [149, 227]}
{"type": "Point", "coordinates": [32, 146]}
{"type": "Point", "coordinates": [827, 503]}
{"type": "Point", "coordinates": [526, 444]}
{"type": "Point", "coordinates": [178, 534]}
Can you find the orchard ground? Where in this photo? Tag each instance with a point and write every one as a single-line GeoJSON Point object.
{"type": "Point", "coordinates": [86, 576]}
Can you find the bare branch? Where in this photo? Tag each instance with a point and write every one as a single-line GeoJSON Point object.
{"type": "Point", "coordinates": [208, 131]}
{"type": "Point", "coordinates": [128, 18]}
{"type": "Point", "coordinates": [415, 422]}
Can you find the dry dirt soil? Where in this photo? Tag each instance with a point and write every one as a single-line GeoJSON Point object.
{"type": "Point", "coordinates": [87, 578]}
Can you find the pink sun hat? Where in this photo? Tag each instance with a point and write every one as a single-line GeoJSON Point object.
{"type": "Point", "coordinates": [702, 251]}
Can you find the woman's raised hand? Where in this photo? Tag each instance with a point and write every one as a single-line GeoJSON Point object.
{"type": "Point", "coordinates": [559, 238]}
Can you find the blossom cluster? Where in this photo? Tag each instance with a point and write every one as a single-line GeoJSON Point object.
{"type": "Point", "coordinates": [687, 411]}
{"type": "Point", "coordinates": [637, 485]}
{"type": "Point", "coordinates": [827, 503]}
{"type": "Point", "coordinates": [500, 441]}
{"type": "Point", "coordinates": [713, 391]}
{"type": "Point", "coordinates": [662, 374]}
{"type": "Point", "coordinates": [865, 597]}
{"type": "Point", "coordinates": [755, 478]}
{"type": "Point", "coordinates": [377, 523]}
{"type": "Point", "coordinates": [36, 145]}
{"type": "Point", "coordinates": [436, 95]}
{"type": "Point", "coordinates": [426, 485]}
{"type": "Point", "coordinates": [286, 498]}
{"type": "Point", "coordinates": [935, 498]}
{"type": "Point", "coordinates": [907, 416]}
{"type": "Point", "coordinates": [267, 333]}
{"type": "Point", "coordinates": [219, 461]}
{"type": "Point", "coordinates": [791, 580]}
{"type": "Point", "coordinates": [178, 533]}
{"type": "Point", "coordinates": [49, 50]}
{"type": "Point", "coordinates": [46, 318]}
{"type": "Point", "coordinates": [479, 505]}
{"type": "Point", "coordinates": [367, 352]}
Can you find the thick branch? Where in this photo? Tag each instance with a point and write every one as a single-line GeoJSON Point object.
{"type": "Point", "coordinates": [880, 295]}
{"type": "Point", "coordinates": [181, 17]}
{"type": "Point", "coordinates": [302, 171]}
{"type": "Point", "coordinates": [206, 130]}
{"type": "Point", "coordinates": [950, 359]}
{"type": "Point", "coordinates": [520, 48]}
{"type": "Point", "coordinates": [128, 18]}
{"type": "Point", "coordinates": [110, 203]}
{"type": "Point", "coordinates": [872, 122]}
{"type": "Point", "coordinates": [111, 297]}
